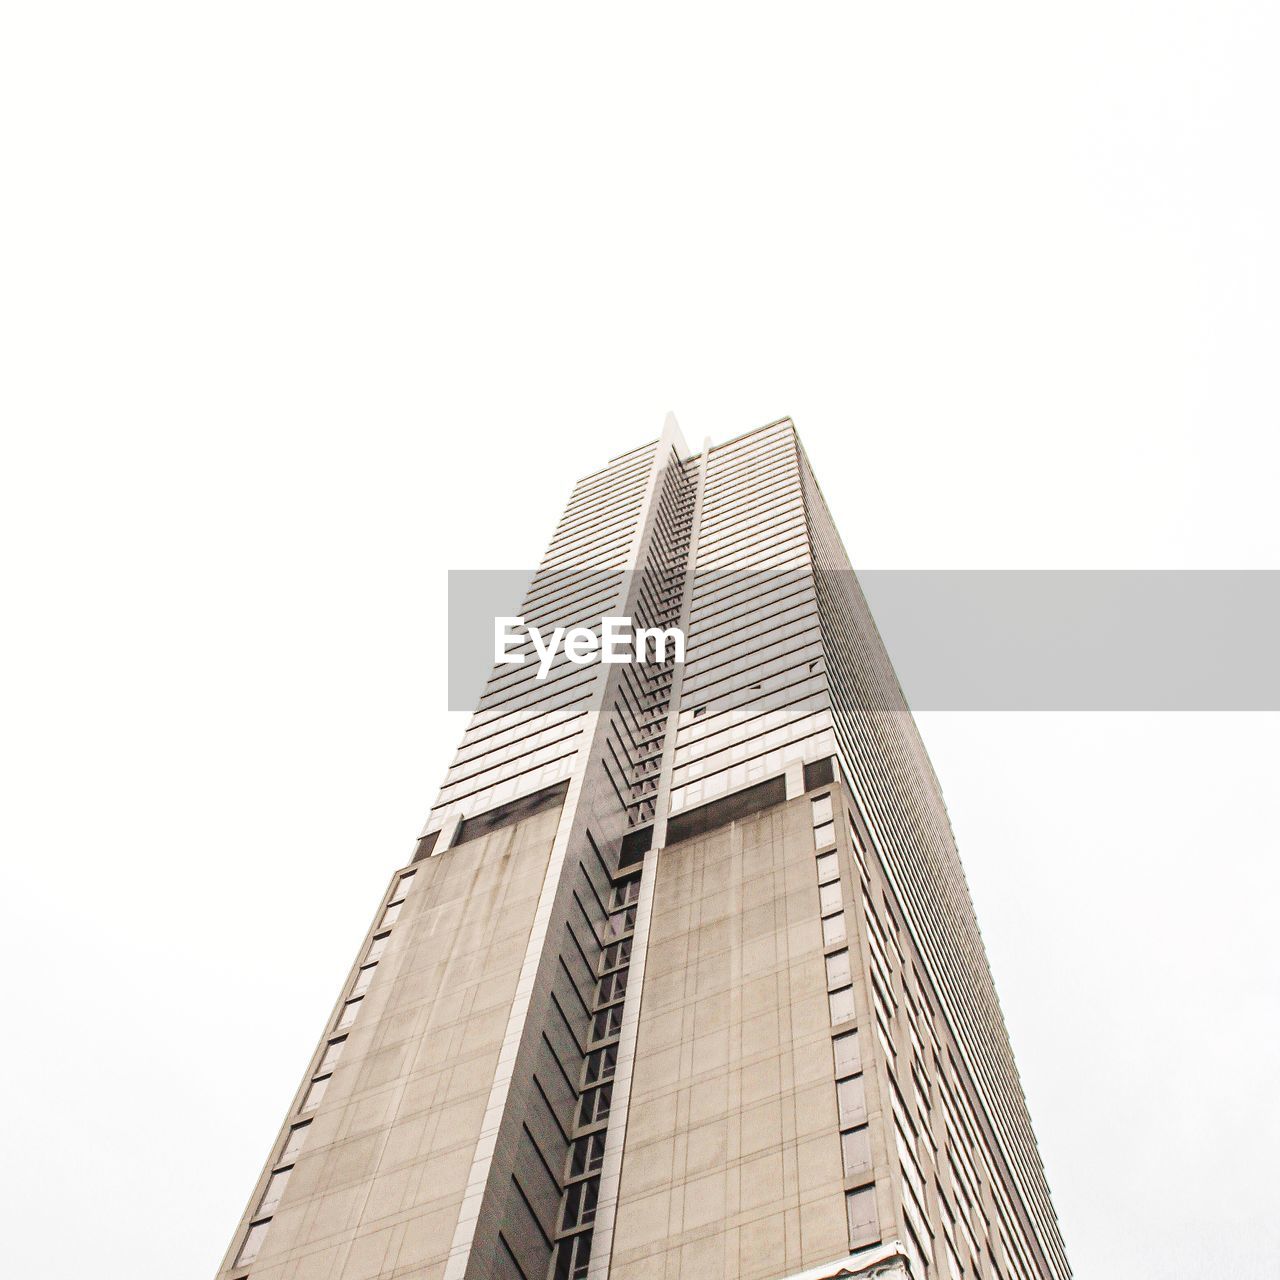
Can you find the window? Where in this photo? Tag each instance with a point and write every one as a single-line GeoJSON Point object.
{"type": "Point", "coordinates": [833, 930]}
{"type": "Point", "coordinates": [619, 924]}
{"type": "Point", "coordinates": [613, 986]}
{"type": "Point", "coordinates": [626, 893]}
{"type": "Point", "coordinates": [821, 810]}
{"type": "Point", "coordinates": [829, 897]}
{"type": "Point", "coordinates": [349, 1011]}
{"type": "Point", "coordinates": [580, 1203]}
{"type": "Point", "coordinates": [823, 835]}
{"type": "Point", "coordinates": [838, 973]}
{"type": "Point", "coordinates": [376, 948]}
{"type": "Point", "coordinates": [601, 1064]}
{"type": "Point", "coordinates": [851, 1097]}
{"type": "Point", "coordinates": [401, 889]}
{"type": "Point", "coordinates": [618, 953]}
{"type": "Point", "coordinates": [315, 1093]}
{"type": "Point", "coordinates": [274, 1190]}
{"type": "Point", "coordinates": [572, 1257]}
{"type": "Point", "coordinates": [595, 1104]}
{"type": "Point", "coordinates": [855, 1148]}
{"type": "Point", "coordinates": [297, 1138]}
{"type": "Point", "coordinates": [390, 915]}
{"type": "Point", "coordinates": [828, 868]}
{"type": "Point", "coordinates": [848, 1054]}
{"type": "Point", "coordinates": [252, 1243]}
{"type": "Point", "coordinates": [864, 1221]}
{"type": "Point", "coordinates": [606, 1023]}
{"type": "Point", "coordinates": [332, 1052]}
{"type": "Point", "coordinates": [841, 1003]}
{"type": "Point", "coordinates": [363, 979]}
{"type": "Point", "coordinates": [587, 1154]}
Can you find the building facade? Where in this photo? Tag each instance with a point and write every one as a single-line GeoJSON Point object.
{"type": "Point", "coordinates": [683, 978]}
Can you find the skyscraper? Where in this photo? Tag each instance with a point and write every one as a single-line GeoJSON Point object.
{"type": "Point", "coordinates": [683, 978]}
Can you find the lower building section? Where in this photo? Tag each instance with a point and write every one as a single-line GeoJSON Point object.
{"type": "Point", "coordinates": [796, 1104]}
{"type": "Point", "coordinates": [732, 1157]}
{"type": "Point", "coordinates": [561, 1056]}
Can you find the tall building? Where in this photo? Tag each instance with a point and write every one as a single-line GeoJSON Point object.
{"type": "Point", "coordinates": [683, 978]}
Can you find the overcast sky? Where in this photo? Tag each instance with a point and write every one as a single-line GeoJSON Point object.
{"type": "Point", "coordinates": [304, 305]}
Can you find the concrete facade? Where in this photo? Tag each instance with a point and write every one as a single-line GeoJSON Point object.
{"type": "Point", "coordinates": [684, 979]}
{"type": "Point", "coordinates": [378, 1182]}
{"type": "Point", "coordinates": [732, 1161]}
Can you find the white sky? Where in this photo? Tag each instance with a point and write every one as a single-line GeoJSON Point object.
{"type": "Point", "coordinates": [304, 305]}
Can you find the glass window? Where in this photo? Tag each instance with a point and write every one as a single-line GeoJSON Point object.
{"type": "Point", "coordinates": [297, 1137]}
{"type": "Point", "coordinates": [838, 972]}
{"type": "Point", "coordinates": [824, 835]}
{"type": "Point", "coordinates": [252, 1243]}
{"type": "Point", "coordinates": [851, 1096]}
{"type": "Point", "coordinates": [595, 1104]}
{"type": "Point", "coordinates": [619, 924]}
{"type": "Point", "coordinates": [833, 930]}
{"type": "Point", "coordinates": [848, 1054]}
{"type": "Point", "coordinates": [821, 810]}
{"type": "Point", "coordinates": [332, 1052]}
{"type": "Point", "coordinates": [587, 1155]}
{"type": "Point", "coordinates": [573, 1256]}
{"type": "Point", "coordinates": [315, 1093]}
{"type": "Point", "coordinates": [601, 1064]}
{"type": "Point", "coordinates": [829, 897]}
{"type": "Point", "coordinates": [855, 1147]}
{"type": "Point", "coordinates": [274, 1190]}
{"type": "Point", "coordinates": [864, 1222]}
{"type": "Point", "coordinates": [613, 986]}
{"type": "Point", "coordinates": [376, 948]}
{"type": "Point", "coordinates": [626, 893]}
{"type": "Point", "coordinates": [607, 1022]}
{"type": "Point", "coordinates": [390, 915]}
{"type": "Point", "coordinates": [841, 1005]}
{"type": "Point", "coordinates": [349, 1012]}
{"type": "Point", "coordinates": [580, 1203]}
{"type": "Point", "coordinates": [828, 868]}
{"type": "Point", "coordinates": [363, 979]}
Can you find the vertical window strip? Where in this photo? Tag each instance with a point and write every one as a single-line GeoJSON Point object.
{"type": "Point", "coordinates": [595, 1094]}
